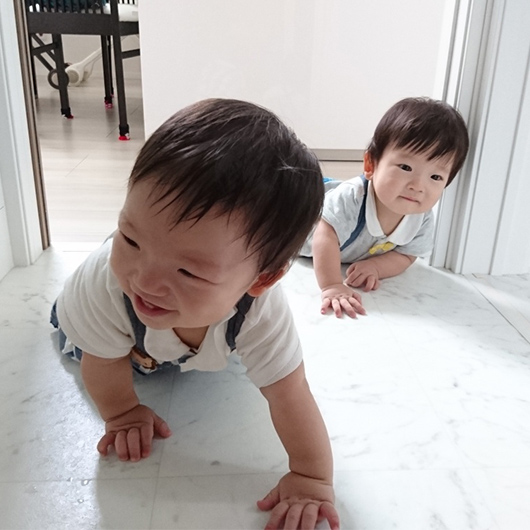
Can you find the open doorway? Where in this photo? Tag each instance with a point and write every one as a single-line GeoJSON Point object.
{"type": "Point", "coordinates": [84, 167]}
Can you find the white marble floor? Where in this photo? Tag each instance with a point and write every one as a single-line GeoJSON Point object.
{"type": "Point", "coordinates": [427, 402]}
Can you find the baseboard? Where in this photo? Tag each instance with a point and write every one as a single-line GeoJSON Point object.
{"type": "Point", "coordinates": [348, 155]}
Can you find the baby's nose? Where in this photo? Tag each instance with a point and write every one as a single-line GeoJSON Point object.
{"type": "Point", "coordinates": [151, 282]}
{"type": "Point", "coordinates": [415, 183]}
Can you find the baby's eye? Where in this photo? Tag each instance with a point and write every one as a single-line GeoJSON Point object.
{"type": "Point", "coordinates": [405, 167]}
{"type": "Point", "coordinates": [437, 177]}
{"type": "Point", "coordinates": [129, 241]}
{"type": "Point", "coordinates": [186, 273]}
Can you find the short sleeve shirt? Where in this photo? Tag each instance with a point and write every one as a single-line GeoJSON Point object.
{"type": "Point", "coordinates": [342, 206]}
{"type": "Point", "coordinates": [92, 314]}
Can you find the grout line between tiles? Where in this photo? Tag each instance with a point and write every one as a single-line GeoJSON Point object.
{"type": "Point", "coordinates": [499, 301]}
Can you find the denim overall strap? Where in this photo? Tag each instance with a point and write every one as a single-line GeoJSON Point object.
{"type": "Point", "coordinates": [235, 323]}
{"type": "Point", "coordinates": [141, 361]}
{"type": "Point", "coordinates": [232, 329]}
{"type": "Point", "coordinates": [138, 326]}
{"type": "Point", "coordinates": [361, 220]}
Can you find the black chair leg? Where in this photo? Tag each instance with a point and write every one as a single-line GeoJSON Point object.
{"type": "Point", "coordinates": [107, 71]}
{"type": "Point", "coordinates": [120, 85]}
{"type": "Point", "coordinates": [62, 77]}
{"type": "Point", "coordinates": [33, 71]}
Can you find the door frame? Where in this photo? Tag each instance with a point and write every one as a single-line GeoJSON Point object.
{"type": "Point", "coordinates": [20, 167]}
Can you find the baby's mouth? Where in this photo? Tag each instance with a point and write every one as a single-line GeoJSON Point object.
{"type": "Point", "coordinates": [150, 305]}
{"type": "Point", "coordinates": [147, 308]}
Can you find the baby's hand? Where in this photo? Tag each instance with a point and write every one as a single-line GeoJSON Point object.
{"type": "Point", "coordinates": [363, 274]}
{"type": "Point", "coordinates": [339, 298]}
{"type": "Point", "coordinates": [131, 433]}
{"type": "Point", "coordinates": [300, 502]}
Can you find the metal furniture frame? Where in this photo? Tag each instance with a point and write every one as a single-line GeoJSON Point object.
{"type": "Point", "coordinates": [82, 17]}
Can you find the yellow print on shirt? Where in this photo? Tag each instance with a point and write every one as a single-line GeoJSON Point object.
{"type": "Point", "coordinates": [383, 247]}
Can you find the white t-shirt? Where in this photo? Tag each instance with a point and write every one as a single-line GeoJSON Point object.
{"type": "Point", "coordinates": [92, 314]}
{"type": "Point", "coordinates": [342, 205]}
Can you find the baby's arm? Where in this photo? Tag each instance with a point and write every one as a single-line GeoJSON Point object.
{"type": "Point", "coordinates": [326, 260]}
{"type": "Point", "coordinates": [305, 495]}
{"type": "Point", "coordinates": [367, 273]}
{"type": "Point", "coordinates": [129, 426]}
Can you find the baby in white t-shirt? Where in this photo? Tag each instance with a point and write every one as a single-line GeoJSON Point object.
{"type": "Point", "coordinates": [382, 221]}
{"type": "Point", "coordinates": [220, 200]}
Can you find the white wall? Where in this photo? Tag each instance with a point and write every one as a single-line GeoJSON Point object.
{"type": "Point", "coordinates": [330, 68]}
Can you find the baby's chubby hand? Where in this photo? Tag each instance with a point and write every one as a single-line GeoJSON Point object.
{"type": "Point", "coordinates": [363, 274]}
{"type": "Point", "coordinates": [132, 432]}
{"type": "Point", "coordinates": [300, 502]}
{"type": "Point", "coordinates": [339, 298]}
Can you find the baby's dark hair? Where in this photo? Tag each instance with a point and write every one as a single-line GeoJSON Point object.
{"type": "Point", "coordinates": [422, 125]}
{"type": "Point", "coordinates": [237, 157]}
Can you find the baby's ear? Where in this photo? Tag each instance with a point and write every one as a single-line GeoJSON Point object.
{"type": "Point", "coordinates": [264, 281]}
{"type": "Point", "coordinates": [368, 165]}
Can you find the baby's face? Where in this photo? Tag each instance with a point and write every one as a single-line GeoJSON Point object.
{"type": "Point", "coordinates": [187, 276]}
{"type": "Point", "coordinates": [407, 183]}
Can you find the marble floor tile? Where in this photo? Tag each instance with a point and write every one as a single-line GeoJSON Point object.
{"type": "Point", "coordinates": [49, 426]}
{"type": "Point", "coordinates": [367, 500]}
{"type": "Point", "coordinates": [412, 500]}
{"type": "Point", "coordinates": [204, 442]}
{"type": "Point", "coordinates": [27, 294]}
{"type": "Point", "coordinates": [77, 504]}
{"type": "Point", "coordinates": [426, 399]}
{"type": "Point", "coordinates": [386, 426]}
{"type": "Point", "coordinates": [510, 294]}
{"type": "Point", "coordinates": [224, 502]}
{"type": "Point", "coordinates": [506, 492]}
